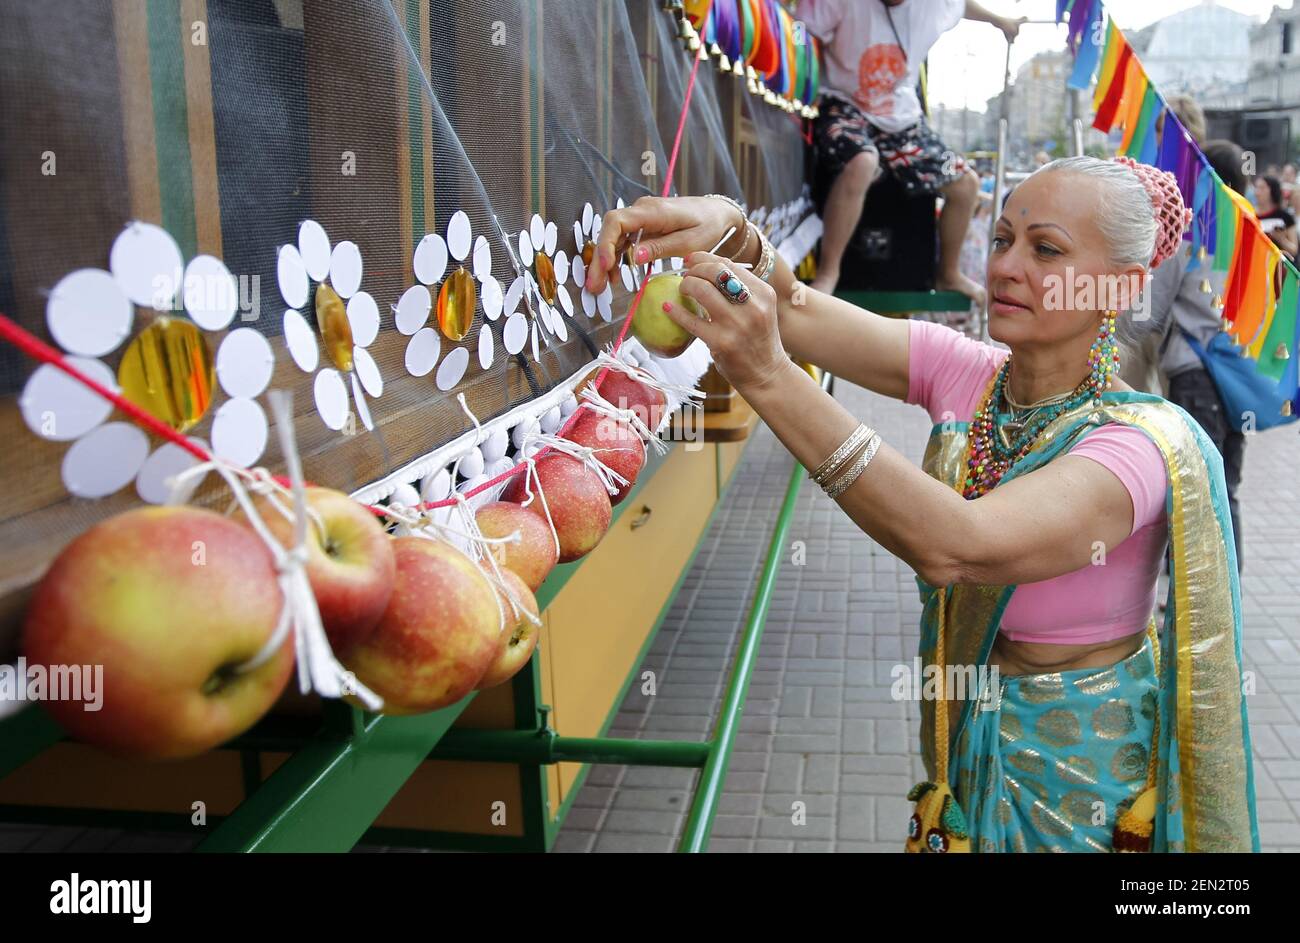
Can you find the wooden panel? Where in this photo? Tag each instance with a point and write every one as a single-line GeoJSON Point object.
{"type": "Point", "coordinates": [73, 775]}
{"type": "Point", "coordinates": [458, 797]}
{"type": "Point", "coordinates": [600, 621]}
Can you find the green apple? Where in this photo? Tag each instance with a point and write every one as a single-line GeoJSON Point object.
{"type": "Point", "coordinates": [170, 601]}
{"type": "Point", "coordinates": [652, 326]}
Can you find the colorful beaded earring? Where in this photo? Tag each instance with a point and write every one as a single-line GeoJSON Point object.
{"type": "Point", "coordinates": [1103, 357]}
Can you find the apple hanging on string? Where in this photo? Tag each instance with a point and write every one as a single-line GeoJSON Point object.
{"type": "Point", "coordinates": [616, 445]}
{"type": "Point", "coordinates": [172, 602]}
{"type": "Point", "coordinates": [517, 642]}
{"type": "Point", "coordinates": [578, 502]}
{"type": "Point", "coordinates": [534, 555]}
{"type": "Point", "coordinates": [350, 561]}
{"type": "Point", "coordinates": [627, 392]}
{"type": "Point", "coordinates": [438, 635]}
{"type": "Point", "coordinates": [651, 325]}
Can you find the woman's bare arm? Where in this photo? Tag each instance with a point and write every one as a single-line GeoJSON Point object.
{"type": "Point", "coordinates": [1041, 525]}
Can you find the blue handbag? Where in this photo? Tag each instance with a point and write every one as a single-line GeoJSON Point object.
{"type": "Point", "coordinates": [1243, 390]}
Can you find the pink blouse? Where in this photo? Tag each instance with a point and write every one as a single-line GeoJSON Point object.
{"type": "Point", "coordinates": [947, 373]}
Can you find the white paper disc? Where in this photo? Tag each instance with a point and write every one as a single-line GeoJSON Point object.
{"type": "Point", "coordinates": [314, 247]}
{"type": "Point", "coordinates": [345, 269]}
{"type": "Point", "coordinates": [167, 460]}
{"type": "Point", "coordinates": [603, 303]}
{"type": "Point", "coordinates": [88, 313]}
{"type": "Point", "coordinates": [561, 267]}
{"type": "Point", "coordinates": [331, 398]}
{"type": "Point", "coordinates": [578, 270]}
{"type": "Point", "coordinates": [459, 234]}
{"type": "Point", "coordinates": [587, 215]}
{"type": "Point", "coordinates": [422, 352]}
{"type": "Point", "coordinates": [620, 204]}
{"type": "Point", "coordinates": [578, 237]}
{"type": "Point", "coordinates": [211, 293]}
{"type": "Point", "coordinates": [245, 363]}
{"type": "Point", "coordinates": [514, 295]}
{"type": "Point", "coordinates": [558, 326]}
{"type": "Point", "coordinates": [486, 347]}
{"type": "Point", "coordinates": [413, 309]}
{"type": "Point", "coordinates": [596, 223]}
{"type": "Point", "coordinates": [239, 431]}
{"type": "Point", "coordinates": [104, 460]}
{"type": "Point", "coordinates": [363, 408]}
{"type": "Point", "coordinates": [628, 282]}
{"type": "Point", "coordinates": [566, 302]}
{"type": "Point", "coordinates": [537, 231]}
{"type": "Point", "coordinates": [147, 263]}
{"type": "Point", "coordinates": [532, 336]}
{"type": "Point", "coordinates": [516, 334]}
{"type": "Point", "coordinates": [59, 408]}
{"type": "Point", "coordinates": [368, 371]}
{"type": "Point", "coordinates": [588, 303]}
{"type": "Point", "coordinates": [292, 277]}
{"type": "Point", "coordinates": [452, 368]}
{"type": "Point", "coordinates": [301, 341]}
{"type": "Point", "coordinates": [363, 318]}
{"type": "Point", "coordinates": [525, 248]}
{"type": "Point", "coordinates": [431, 259]}
{"type": "Point", "coordinates": [482, 258]}
{"type": "Point", "coordinates": [492, 298]}
{"type": "Point", "coordinates": [551, 237]}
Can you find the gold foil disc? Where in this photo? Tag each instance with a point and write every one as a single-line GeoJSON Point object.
{"type": "Point", "coordinates": [588, 253]}
{"type": "Point", "coordinates": [335, 329]}
{"type": "Point", "coordinates": [456, 303]}
{"type": "Point", "coordinates": [167, 371]}
{"type": "Point", "coordinates": [544, 272]}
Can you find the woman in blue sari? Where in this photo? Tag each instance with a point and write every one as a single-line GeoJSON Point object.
{"type": "Point", "coordinates": [1036, 525]}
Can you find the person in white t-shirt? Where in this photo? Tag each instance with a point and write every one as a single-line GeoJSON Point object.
{"type": "Point", "coordinates": [871, 120]}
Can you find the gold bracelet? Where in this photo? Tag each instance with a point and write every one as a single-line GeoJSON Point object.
{"type": "Point", "coordinates": [766, 257]}
{"type": "Point", "coordinates": [841, 455]}
{"type": "Point", "coordinates": [858, 468]}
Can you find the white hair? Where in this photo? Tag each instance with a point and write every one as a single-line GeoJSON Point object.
{"type": "Point", "coordinates": [1124, 212]}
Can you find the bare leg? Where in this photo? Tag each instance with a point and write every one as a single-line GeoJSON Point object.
{"type": "Point", "coordinates": [843, 210]}
{"type": "Point", "coordinates": [960, 197]}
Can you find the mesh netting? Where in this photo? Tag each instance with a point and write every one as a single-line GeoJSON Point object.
{"type": "Point", "coordinates": [228, 124]}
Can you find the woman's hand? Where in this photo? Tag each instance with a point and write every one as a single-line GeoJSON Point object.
{"type": "Point", "coordinates": [743, 338]}
{"type": "Point", "coordinates": [669, 226]}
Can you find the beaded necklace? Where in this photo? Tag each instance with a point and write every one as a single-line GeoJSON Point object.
{"type": "Point", "coordinates": [995, 443]}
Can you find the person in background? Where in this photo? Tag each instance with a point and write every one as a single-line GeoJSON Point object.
{"type": "Point", "coordinates": [871, 120]}
{"type": "Point", "coordinates": [1042, 159]}
{"type": "Point", "coordinates": [1179, 304]}
{"type": "Point", "coordinates": [1275, 219]}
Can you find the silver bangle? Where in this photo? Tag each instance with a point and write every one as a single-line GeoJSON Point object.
{"type": "Point", "coordinates": [744, 219]}
{"type": "Point", "coordinates": [841, 455]}
{"type": "Point", "coordinates": [858, 468]}
{"type": "Point", "coordinates": [766, 258]}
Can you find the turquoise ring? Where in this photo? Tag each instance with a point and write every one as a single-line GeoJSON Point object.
{"type": "Point", "coordinates": [732, 287]}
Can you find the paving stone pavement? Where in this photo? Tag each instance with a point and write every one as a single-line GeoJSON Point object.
{"type": "Point", "coordinates": [819, 726]}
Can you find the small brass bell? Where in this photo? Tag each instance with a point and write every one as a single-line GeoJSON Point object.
{"type": "Point", "coordinates": [1281, 353]}
{"type": "Point", "coordinates": [1226, 324]}
{"type": "Point", "coordinates": [724, 64]}
{"type": "Point", "coordinates": [1202, 254]}
{"type": "Point", "coordinates": [1206, 286]}
{"type": "Point", "coordinates": [1286, 407]}
{"type": "Point", "coordinates": [1217, 303]}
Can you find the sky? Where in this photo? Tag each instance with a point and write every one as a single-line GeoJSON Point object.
{"type": "Point", "coordinates": [967, 65]}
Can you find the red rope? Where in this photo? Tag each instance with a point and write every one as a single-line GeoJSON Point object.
{"type": "Point", "coordinates": [37, 349]}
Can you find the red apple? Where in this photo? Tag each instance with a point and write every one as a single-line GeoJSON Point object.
{"type": "Point", "coordinates": [169, 600]}
{"type": "Point", "coordinates": [349, 563]}
{"type": "Point", "coordinates": [578, 502]}
{"type": "Point", "coordinates": [534, 555]}
{"type": "Point", "coordinates": [517, 642]}
{"type": "Point", "coordinates": [438, 634]}
{"type": "Point", "coordinates": [626, 392]}
{"type": "Point", "coordinates": [618, 445]}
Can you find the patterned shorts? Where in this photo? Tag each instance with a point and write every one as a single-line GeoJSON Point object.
{"type": "Point", "coordinates": [916, 157]}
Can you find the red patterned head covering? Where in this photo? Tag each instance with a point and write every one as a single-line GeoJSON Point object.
{"type": "Point", "coordinates": [1172, 216]}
